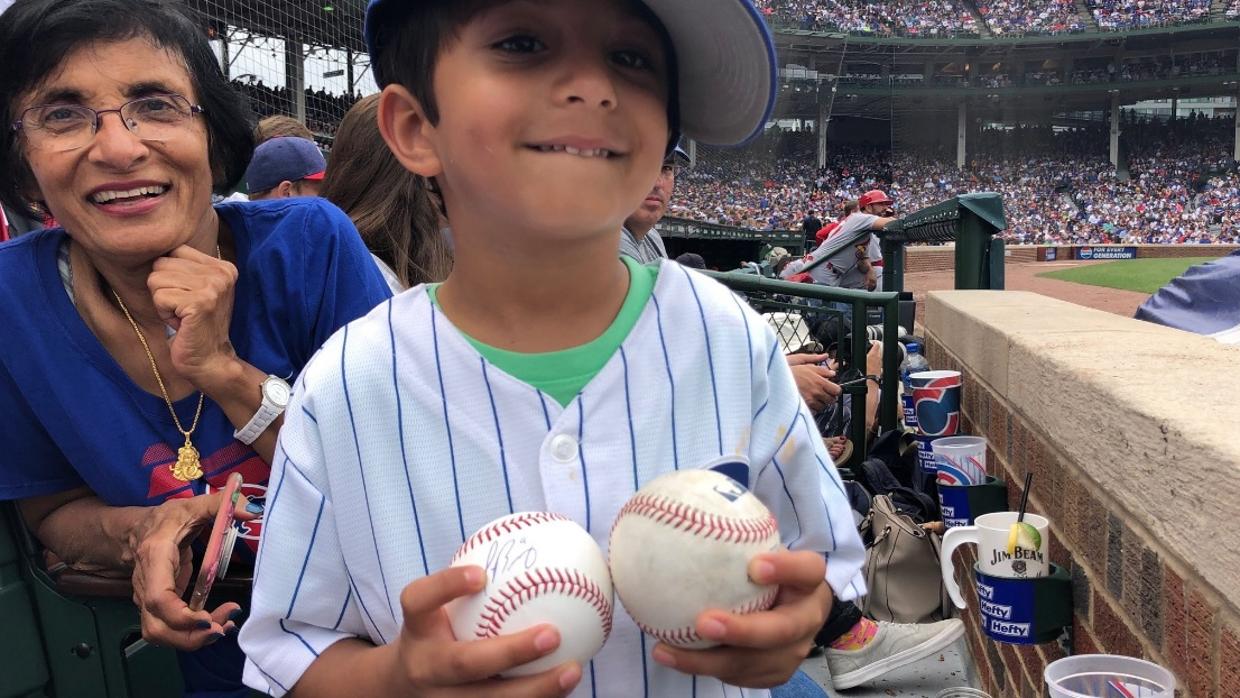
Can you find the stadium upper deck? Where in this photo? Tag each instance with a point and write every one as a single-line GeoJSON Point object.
{"type": "Point", "coordinates": [939, 18]}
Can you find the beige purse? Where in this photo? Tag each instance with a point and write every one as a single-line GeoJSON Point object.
{"type": "Point", "coordinates": [902, 569]}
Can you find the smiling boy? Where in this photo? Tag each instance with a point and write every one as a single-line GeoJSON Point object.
{"type": "Point", "coordinates": [545, 373]}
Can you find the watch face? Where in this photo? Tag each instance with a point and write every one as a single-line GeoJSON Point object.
{"type": "Point", "coordinates": [277, 391]}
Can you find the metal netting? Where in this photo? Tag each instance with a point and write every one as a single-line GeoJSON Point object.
{"type": "Point", "coordinates": [304, 59]}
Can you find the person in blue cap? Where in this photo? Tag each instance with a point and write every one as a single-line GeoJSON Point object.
{"type": "Point", "coordinates": [515, 385]}
{"type": "Point", "coordinates": [639, 238]}
{"type": "Point", "coordinates": [285, 167]}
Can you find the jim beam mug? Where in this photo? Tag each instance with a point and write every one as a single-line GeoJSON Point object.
{"type": "Point", "coordinates": [1001, 551]}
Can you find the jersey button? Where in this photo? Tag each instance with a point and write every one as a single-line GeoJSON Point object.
{"type": "Point", "coordinates": [564, 448]}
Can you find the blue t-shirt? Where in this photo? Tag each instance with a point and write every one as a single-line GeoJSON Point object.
{"type": "Point", "coordinates": [70, 416]}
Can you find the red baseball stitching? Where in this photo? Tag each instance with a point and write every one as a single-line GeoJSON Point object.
{"type": "Point", "coordinates": [508, 525]}
{"type": "Point", "coordinates": [683, 517]}
{"type": "Point", "coordinates": [688, 635]}
{"type": "Point", "coordinates": [538, 582]}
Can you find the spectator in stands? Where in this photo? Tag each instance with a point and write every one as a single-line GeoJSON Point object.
{"type": "Point", "coordinates": [15, 221]}
{"type": "Point", "coordinates": [692, 260]}
{"type": "Point", "coordinates": [400, 221]}
{"type": "Point", "coordinates": [284, 167]}
{"type": "Point", "coordinates": [639, 238]}
{"type": "Point", "coordinates": [280, 126]}
{"type": "Point", "coordinates": [810, 225]}
{"type": "Point", "coordinates": [154, 328]}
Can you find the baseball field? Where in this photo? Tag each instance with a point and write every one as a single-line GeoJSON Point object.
{"type": "Point", "coordinates": [1118, 287]}
{"type": "Point", "coordinates": [1140, 275]}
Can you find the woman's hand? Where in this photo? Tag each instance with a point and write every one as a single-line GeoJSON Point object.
{"type": "Point", "coordinates": [813, 380]}
{"type": "Point", "coordinates": [193, 293]}
{"type": "Point", "coordinates": [764, 649]}
{"type": "Point", "coordinates": [162, 563]}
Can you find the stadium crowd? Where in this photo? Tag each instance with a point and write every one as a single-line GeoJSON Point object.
{"type": "Point", "coordinates": [1138, 14]}
{"type": "Point", "coordinates": [894, 18]}
{"type": "Point", "coordinates": [1009, 17]}
{"type": "Point", "coordinates": [1057, 187]}
{"type": "Point", "coordinates": [1002, 17]}
{"type": "Point", "coordinates": [323, 109]}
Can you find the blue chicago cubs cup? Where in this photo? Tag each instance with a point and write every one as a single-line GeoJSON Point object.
{"type": "Point", "coordinates": [936, 399]}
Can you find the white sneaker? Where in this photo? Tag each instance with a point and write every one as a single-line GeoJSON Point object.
{"type": "Point", "coordinates": [893, 646]}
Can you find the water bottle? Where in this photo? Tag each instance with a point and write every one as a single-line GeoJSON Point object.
{"type": "Point", "coordinates": [913, 362]}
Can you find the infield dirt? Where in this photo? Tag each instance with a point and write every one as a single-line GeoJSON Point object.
{"type": "Point", "coordinates": [1024, 277]}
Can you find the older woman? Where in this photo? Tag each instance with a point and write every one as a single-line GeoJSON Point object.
{"type": "Point", "coordinates": [148, 342]}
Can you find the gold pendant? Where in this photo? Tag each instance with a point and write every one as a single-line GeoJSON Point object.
{"type": "Point", "coordinates": [187, 466]}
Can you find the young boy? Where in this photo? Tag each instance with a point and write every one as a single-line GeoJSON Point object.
{"type": "Point", "coordinates": [545, 374]}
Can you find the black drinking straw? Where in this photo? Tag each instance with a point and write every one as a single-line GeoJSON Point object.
{"type": "Point", "coordinates": [1024, 498]}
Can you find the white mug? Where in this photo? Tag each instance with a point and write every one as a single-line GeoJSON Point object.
{"type": "Point", "coordinates": [990, 533]}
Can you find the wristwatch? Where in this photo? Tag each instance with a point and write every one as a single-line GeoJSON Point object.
{"type": "Point", "coordinates": [275, 398]}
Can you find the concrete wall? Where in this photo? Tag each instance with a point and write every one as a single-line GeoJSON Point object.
{"type": "Point", "coordinates": [940, 258]}
{"type": "Point", "coordinates": [1132, 433]}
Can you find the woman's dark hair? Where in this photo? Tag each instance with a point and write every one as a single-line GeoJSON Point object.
{"type": "Point", "coordinates": [391, 206]}
{"type": "Point", "coordinates": [36, 35]}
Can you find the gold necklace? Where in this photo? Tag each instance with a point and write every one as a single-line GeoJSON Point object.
{"type": "Point", "coordinates": [189, 465]}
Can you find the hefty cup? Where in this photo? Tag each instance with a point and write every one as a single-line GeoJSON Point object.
{"type": "Point", "coordinates": [961, 460]}
{"type": "Point", "coordinates": [936, 400]}
{"type": "Point", "coordinates": [925, 455]}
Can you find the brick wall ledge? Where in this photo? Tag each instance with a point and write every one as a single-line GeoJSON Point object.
{"type": "Point", "coordinates": [1145, 417]}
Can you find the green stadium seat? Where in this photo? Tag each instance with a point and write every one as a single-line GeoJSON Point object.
{"type": "Point", "coordinates": [69, 634]}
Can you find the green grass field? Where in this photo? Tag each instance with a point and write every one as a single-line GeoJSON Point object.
{"type": "Point", "coordinates": [1142, 275]}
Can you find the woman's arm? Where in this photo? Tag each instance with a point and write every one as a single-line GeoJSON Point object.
{"type": "Point", "coordinates": [150, 545]}
{"type": "Point", "coordinates": [83, 531]}
{"type": "Point", "coordinates": [874, 367]}
{"type": "Point", "coordinates": [236, 386]}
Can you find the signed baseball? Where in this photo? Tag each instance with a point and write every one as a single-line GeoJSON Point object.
{"type": "Point", "coordinates": [682, 545]}
{"type": "Point", "coordinates": [541, 568]}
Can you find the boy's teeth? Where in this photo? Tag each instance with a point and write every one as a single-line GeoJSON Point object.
{"type": "Point", "coordinates": [585, 153]}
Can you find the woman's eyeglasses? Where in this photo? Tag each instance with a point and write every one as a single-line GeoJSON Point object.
{"type": "Point", "coordinates": [64, 127]}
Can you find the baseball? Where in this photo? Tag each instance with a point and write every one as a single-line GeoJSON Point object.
{"type": "Point", "coordinates": [682, 545]}
{"type": "Point", "coordinates": [541, 568]}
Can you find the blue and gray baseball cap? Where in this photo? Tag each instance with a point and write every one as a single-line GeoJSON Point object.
{"type": "Point", "coordinates": [724, 54]}
{"type": "Point", "coordinates": [286, 158]}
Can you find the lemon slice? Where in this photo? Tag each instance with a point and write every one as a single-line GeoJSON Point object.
{"type": "Point", "coordinates": [1023, 535]}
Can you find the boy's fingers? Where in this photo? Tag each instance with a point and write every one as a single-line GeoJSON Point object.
{"type": "Point", "coordinates": [559, 681]}
{"type": "Point", "coordinates": [782, 625]}
{"type": "Point", "coordinates": [803, 570]}
{"type": "Point", "coordinates": [449, 664]}
{"type": "Point", "coordinates": [421, 599]}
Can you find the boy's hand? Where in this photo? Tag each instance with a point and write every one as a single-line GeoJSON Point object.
{"type": "Point", "coordinates": [764, 649]}
{"type": "Point", "coordinates": [429, 661]}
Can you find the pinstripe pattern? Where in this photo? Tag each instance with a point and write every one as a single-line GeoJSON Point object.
{"type": "Point", "coordinates": [436, 413]}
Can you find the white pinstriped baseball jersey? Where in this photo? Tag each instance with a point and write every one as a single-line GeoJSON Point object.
{"type": "Point", "coordinates": [401, 440]}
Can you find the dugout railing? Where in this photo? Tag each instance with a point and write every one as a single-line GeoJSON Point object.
{"type": "Point", "coordinates": [824, 307]}
{"type": "Point", "coordinates": [971, 221]}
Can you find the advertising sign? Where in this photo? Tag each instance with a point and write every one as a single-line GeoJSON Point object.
{"type": "Point", "coordinates": [1107, 252]}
